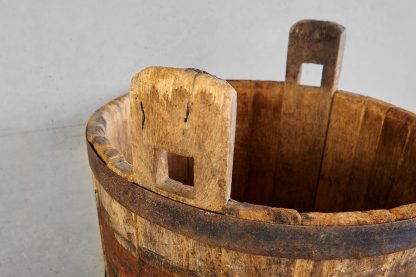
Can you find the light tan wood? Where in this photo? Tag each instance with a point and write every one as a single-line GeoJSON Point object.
{"type": "Point", "coordinates": [187, 113]}
{"type": "Point", "coordinates": [111, 142]}
{"type": "Point", "coordinates": [263, 213]}
{"type": "Point", "coordinates": [405, 180]}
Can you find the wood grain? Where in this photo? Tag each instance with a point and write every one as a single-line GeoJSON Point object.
{"type": "Point", "coordinates": [338, 159]}
{"type": "Point", "coordinates": [190, 114]}
{"type": "Point", "coordinates": [392, 142]}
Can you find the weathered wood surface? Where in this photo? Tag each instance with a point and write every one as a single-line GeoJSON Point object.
{"type": "Point", "coordinates": [261, 237]}
{"type": "Point", "coordinates": [305, 111]}
{"type": "Point", "coordinates": [322, 179]}
{"type": "Point", "coordinates": [352, 140]}
{"type": "Point", "coordinates": [135, 243]}
{"type": "Point", "coordinates": [196, 112]}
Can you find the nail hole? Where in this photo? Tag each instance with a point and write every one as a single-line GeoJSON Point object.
{"type": "Point", "coordinates": [143, 114]}
{"type": "Point", "coordinates": [311, 74]}
{"type": "Point", "coordinates": [186, 113]}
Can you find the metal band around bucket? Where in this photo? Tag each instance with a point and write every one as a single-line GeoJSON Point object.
{"type": "Point", "coordinates": [254, 237]}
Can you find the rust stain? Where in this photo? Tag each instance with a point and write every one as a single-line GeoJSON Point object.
{"type": "Point", "coordinates": [120, 262]}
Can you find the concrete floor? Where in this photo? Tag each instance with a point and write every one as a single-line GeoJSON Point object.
{"type": "Point", "coordinates": [48, 222]}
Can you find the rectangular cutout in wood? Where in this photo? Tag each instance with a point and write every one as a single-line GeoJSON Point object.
{"type": "Point", "coordinates": [181, 169]}
{"type": "Point", "coordinates": [311, 74]}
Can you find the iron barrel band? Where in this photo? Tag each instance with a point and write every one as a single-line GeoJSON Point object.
{"type": "Point", "coordinates": [254, 237]}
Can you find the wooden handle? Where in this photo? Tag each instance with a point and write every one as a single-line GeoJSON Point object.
{"type": "Point", "coordinates": [188, 113]}
{"type": "Point", "coordinates": [319, 42]}
{"type": "Point", "coordinates": [305, 111]}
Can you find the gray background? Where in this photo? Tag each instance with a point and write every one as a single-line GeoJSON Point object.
{"type": "Point", "coordinates": [61, 60]}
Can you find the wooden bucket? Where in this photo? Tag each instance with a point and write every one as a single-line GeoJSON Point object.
{"type": "Point", "coordinates": [196, 176]}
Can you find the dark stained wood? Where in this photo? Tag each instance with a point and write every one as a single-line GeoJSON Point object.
{"type": "Point", "coordinates": [119, 261]}
{"type": "Point", "coordinates": [389, 151]}
{"type": "Point", "coordinates": [404, 188]}
{"type": "Point", "coordinates": [181, 169]}
{"type": "Point", "coordinates": [261, 159]}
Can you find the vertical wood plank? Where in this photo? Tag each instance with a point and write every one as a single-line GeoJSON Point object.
{"type": "Point", "coordinates": [365, 154]}
{"type": "Point", "coordinates": [389, 150]}
{"type": "Point", "coordinates": [243, 129]}
{"type": "Point", "coordinates": [305, 112]}
{"type": "Point", "coordinates": [263, 154]}
{"type": "Point", "coordinates": [343, 132]}
{"type": "Point", "coordinates": [403, 190]}
{"type": "Point", "coordinates": [121, 220]}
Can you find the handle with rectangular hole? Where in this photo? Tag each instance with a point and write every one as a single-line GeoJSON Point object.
{"type": "Point", "coordinates": [317, 42]}
{"type": "Point", "coordinates": [305, 110]}
{"type": "Point", "coordinates": [183, 125]}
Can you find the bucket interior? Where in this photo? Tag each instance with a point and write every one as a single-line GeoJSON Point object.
{"type": "Point", "coordinates": [368, 162]}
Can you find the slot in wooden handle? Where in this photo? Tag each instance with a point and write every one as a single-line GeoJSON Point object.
{"type": "Point", "coordinates": [187, 113]}
{"type": "Point", "coordinates": [318, 42]}
{"type": "Point", "coordinates": [305, 111]}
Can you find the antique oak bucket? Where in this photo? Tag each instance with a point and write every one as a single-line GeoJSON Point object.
{"type": "Point", "coordinates": [196, 176]}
